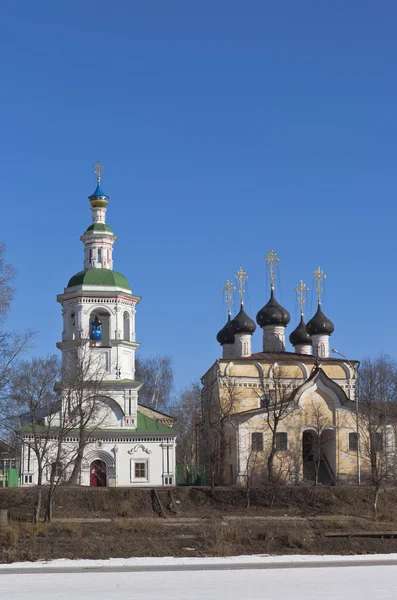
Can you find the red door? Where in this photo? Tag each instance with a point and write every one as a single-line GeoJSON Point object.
{"type": "Point", "coordinates": [98, 474]}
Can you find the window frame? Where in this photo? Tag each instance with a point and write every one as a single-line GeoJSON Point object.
{"type": "Point", "coordinates": [284, 436]}
{"type": "Point", "coordinates": [352, 435]}
{"type": "Point", "coordinates": [255, 446]}
{"type": "Point", "coordinates": [137, 461]}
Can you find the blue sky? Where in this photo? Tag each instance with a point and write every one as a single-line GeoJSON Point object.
{"type": "Point", "coordinates": [226, 128]}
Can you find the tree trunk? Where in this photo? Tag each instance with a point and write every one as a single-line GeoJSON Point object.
{"type": "Point", "coordinates": [270, 463]}
{"type": "Point", "coordinates": [74, 478]}
{"type": "Point", "coordinates": [375, 504]}
{"type": "Point", "coordinates": [248, 494]}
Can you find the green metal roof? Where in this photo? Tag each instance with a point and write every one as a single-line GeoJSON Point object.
{"type": "Point", "coordinates": [148, 425]}
{"type": "Point", "coordinates": [144, 425]}
{"type": "Point", "coordinates": [99, 227]}
{"type": "Point", "coordinates": [101, 277]}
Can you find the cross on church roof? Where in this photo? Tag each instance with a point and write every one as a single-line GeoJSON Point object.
{"type": "Point", "coordinates": [301, 289]}
{"type": "Point", "coordinates": [241, 276]}
{"type": "Point", "coordinates": [98, 170]}
{"type": "Point", "coordinates": [228, 288]}
{"type": "Point", "coordinates": [272, 261]}
{"type": "Point", "coordinates": [319, 275]}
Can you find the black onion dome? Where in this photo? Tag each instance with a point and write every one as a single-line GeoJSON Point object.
{"type": "Point", "coordinates": [242, 323]}
{"type": "Point", "coordinates": [320, 324]}
{"type": "Point", "coordinates": [273, 313]}
{"type": "Point", "coordinates": [300, 336]}
{"type": "Point", "coordinates": [225, 336]}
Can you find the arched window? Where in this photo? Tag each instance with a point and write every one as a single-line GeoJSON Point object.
{"type": "Point", "coordinates": [127, 327]}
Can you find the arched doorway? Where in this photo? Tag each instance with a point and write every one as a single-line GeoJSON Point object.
{"type": "Point", "coordinates": [98, 474]}
{"type": "Point", "coordinates": [319, 456]}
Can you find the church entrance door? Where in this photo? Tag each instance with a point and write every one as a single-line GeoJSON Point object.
{"type": "Point", "coordinates": [98, 474]}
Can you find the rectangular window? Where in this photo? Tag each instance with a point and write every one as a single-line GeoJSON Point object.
{"type": "Point", "coordinates": [281, 440]}
{"type": "Point", "coordinates": [28, 478]}
{"type": "Point", "coordinates": [353, 446]}
{"type": "Point", "coordinates": [99, 255]}
{"type": "Point", "coordinates": [257, 441]}
{"type": "Point", "coordinates": [140, 470]}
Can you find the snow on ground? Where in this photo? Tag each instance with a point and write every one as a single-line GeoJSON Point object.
{"type": "Point", "coordinates": [329, 583]}
{"type": "Point", "coordinates": [350, 582]}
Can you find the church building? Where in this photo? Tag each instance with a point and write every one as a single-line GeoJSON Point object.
{"type": "Point", "coordinates": [292, 412]}
{"type": "Point", "coordinates": [125, 444]}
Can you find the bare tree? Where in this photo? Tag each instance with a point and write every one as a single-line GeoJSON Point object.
{"type": "Point", "coordinates": [378, 415]}
{"type": "Point", "coordinates": [12, 344]}
{"type": "Point", "coordinates": [219, 403]}
{"type": "Point", "coordinates": [156, 374]}
{"type": "Point", "coordinates": [319, 423]}
{"type": "Point", "coordinates": [32, 398]}
{"type": "Point", "coordinates": [187, 412]}
{"type": "Point", "coordinates": [251, 473]}
{"type": "Point", "coordinates": [278, 402]}
{"type": "Point", "coordinates": [80, 392]}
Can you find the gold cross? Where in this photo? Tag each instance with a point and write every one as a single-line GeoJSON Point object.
{"type": "Point", "coordinates": [320, 276]}
{"type": "Point", "coordinates": [241, 276]}
{"type": "Point", "coordinates": [272, 261]}
{"type": "Point", "coordinates": [301, 290]}
{"type": "Point", "coordinates": [228, 288]}
{"type": "Point", "coordinates": [98, 169]}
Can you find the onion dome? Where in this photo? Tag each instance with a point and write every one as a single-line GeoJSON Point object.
{"type": "Point", "coordinates": [98, 198]}
{"type": "Point", "coordinates": [225, 336]}
{"type": "Point", "coordinates": [242, 323]}
{"type": "Point", "coordinates": [320, 324]}
{"type": "Point", "coordinates": [300, 336]}
{"type": "Point", "coordinates": [273, 313]}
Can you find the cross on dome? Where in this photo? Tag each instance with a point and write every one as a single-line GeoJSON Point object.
{"type": "Point", "coordinates": [319, 276]}
{"type": "Point", "coordinates": [98, 170]}
{"type": "Point", "coordinates": [301, 289]}
{"type": "Point", "coordinates": [241, 277]}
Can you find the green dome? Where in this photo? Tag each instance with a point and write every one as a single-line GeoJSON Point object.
{"type": "Point", "coordinates": [99, 277]}
{"type": "Point", "coordinates": [99, 227]}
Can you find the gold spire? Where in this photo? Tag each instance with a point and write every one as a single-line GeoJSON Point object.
{"type": "Point", "coordinates": [98, 170]}
{"type": "Point", "coordinates": [241, 276]}
{"type": "Point", "coordinates": [228, 288]}
{"type": "Point", "coordinates": [319, 275]}
{"type": "Point", "coordinates": [272, 261]}
{"type": "Point", "coordinates": [301, 289]}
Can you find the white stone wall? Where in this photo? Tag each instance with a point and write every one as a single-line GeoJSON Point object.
{"type": "Point", "coordinates": [320, 345]}
{"type": "Point", "coordinates": [242, 345]}
{"type": "Point", "coordinates": [273, 338]}
{"type": "Point", "coordinates": [119, 453]}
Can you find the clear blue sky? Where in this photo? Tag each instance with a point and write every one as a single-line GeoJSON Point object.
{"type": "Point", "coordinates": [225, 128]}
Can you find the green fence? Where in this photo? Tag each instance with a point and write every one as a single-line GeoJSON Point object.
{"type": "Point", "coordinates": [191, 475]}
{"type": "Point", "coordinates": [9, 477]}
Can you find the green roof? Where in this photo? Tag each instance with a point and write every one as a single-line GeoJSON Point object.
{"type": "Point", "coordinates": [144, 425]}
{"type": "Point", "coordinates": [101, 277]}
{"type": "Point", "coordinates": [99, 227]}
{"type": "Point", "coordinates": [147, 425]}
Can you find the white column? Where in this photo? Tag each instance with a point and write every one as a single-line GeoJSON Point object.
{"type": "Point", "coordinates": [320, 345]}
{"type": "Point", "coordinates": [303, 349]}
{"type": "Point", "coordinates": [242, 344]}
{"type": "Point", "coordinates": [273, 338]}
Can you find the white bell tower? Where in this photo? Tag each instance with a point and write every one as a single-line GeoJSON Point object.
{"type": "Point", "coordinates": [98, 309]}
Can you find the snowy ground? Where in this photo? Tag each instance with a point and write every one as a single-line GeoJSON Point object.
{"type": "Point", "coordinates": [246, 578]}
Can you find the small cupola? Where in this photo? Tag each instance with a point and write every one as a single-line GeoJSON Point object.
{"type": "Point", "coordinates": [273, 313]}
{"type": "Point", "coordinates": [300, 339]}
{"type": "Point", "coordinates": [320, 324]}
{"type": "Point", "coordinates": [273, 318]}
{"type": "Point", "coordinates": [242, 323]}
{"type": "Point", "coordinates": [320, 327]}
{"type": "Point", "coordinates": [226, 339]}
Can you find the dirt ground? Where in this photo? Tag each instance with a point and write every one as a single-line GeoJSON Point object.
{"type": "Point", "coordinates": [103, 523]}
